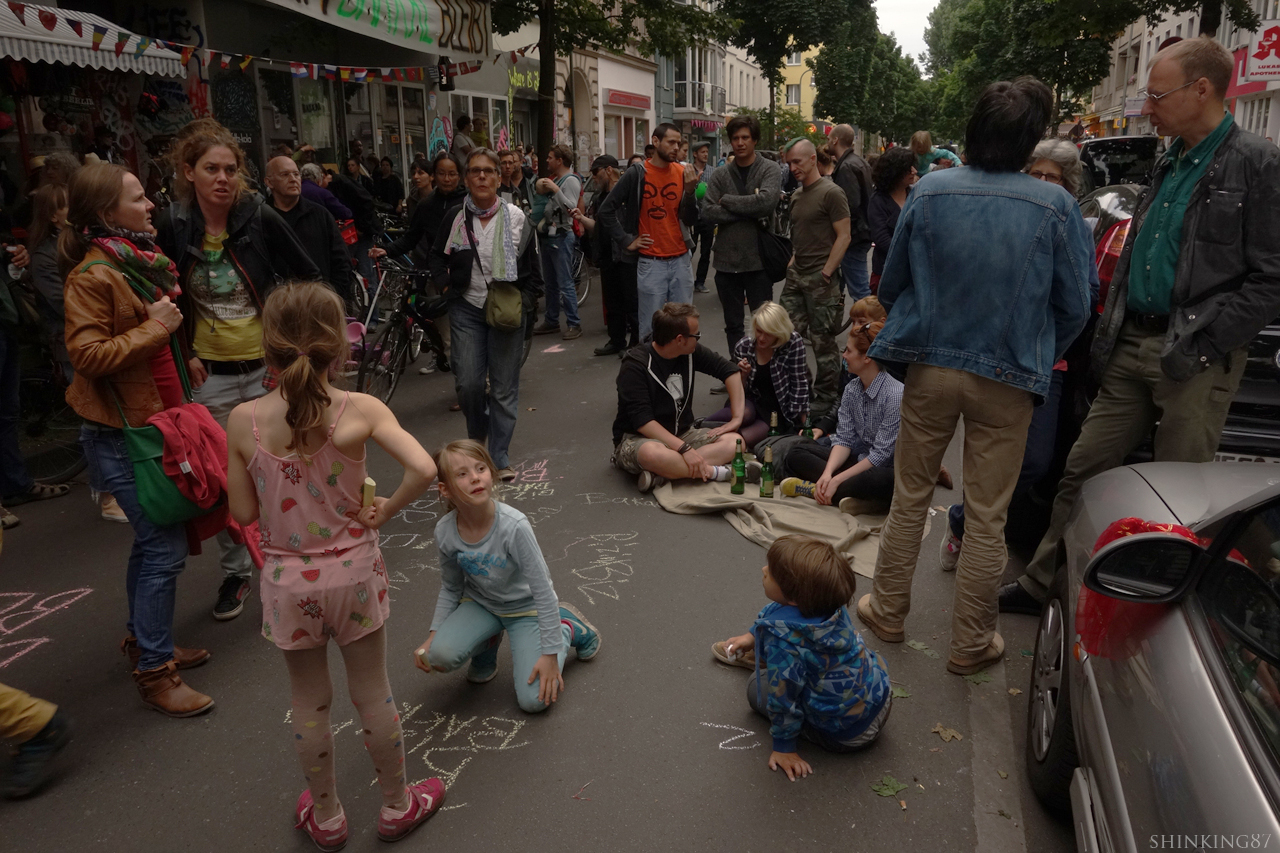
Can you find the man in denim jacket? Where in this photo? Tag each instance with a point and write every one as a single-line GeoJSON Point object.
{"type": "Point", "coordinates": [1198, 278]}
{"type": "Point", "coordinates": [978, 315]}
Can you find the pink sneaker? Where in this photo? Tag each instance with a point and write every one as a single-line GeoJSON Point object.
{"type": "Point", "coordinates": [425, 798]}
{"type": "Point", "coordinates": [326, 839]}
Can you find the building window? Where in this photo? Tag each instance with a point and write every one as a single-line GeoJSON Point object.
{"type": "Point", "coordinates": [794, 58]}
{"type": "Point", "coordinates": [793, 94]}
{"type": "Point", "coordinates": [1178, 31]}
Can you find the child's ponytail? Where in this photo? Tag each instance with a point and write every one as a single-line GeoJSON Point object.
{"type": "Point", "coordinates": [303, 335]}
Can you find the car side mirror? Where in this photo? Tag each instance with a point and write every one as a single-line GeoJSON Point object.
{"type": "Point", "coordinates": [1153, 568]}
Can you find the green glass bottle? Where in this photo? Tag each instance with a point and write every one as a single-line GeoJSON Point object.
{"type": "Point", "coordinates": [766, 474]}
{"type": "Point", "coordinates": [773, 424]}
{"type": "Point", "coordinates": [808, 427]}
{"type": "Point", "coordinates": [737, 484]}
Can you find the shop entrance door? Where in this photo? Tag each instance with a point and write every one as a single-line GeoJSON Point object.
{"type": "Point", "coordinates": [404, 125]}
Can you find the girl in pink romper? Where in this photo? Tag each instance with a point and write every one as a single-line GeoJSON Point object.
{"type": "Point", "coordinates": [297, 464]}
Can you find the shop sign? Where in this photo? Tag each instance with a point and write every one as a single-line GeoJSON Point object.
{"type": "Point", "coordinates": [1133, 106]}
{"type": "Point", "coordinates": [1264, 52]}
{"type": "Point", "coordinates": [617, 98]}
{"type": "Point", "coordinates": [436, 26]}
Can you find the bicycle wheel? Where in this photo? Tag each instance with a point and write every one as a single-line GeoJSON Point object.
{"type": "Point", "coordinates": [581, 275]}
{"type": "Point", "coordinates": [384, 361]}
{"type": "Point", "coordinates": [415, 343]}
{"type": "Point", "coordinates": [49, 438]}
{"type": "Point", "coordinates": [359, 302]}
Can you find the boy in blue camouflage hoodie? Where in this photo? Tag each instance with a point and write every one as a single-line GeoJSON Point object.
{"type": "Point", "coordinates": [813, 676]}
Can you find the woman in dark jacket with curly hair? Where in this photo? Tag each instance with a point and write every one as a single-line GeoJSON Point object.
{"type": "Point", "coordinates": [230, 251]}
{"type": "Point", "coordinates": [893, 174]}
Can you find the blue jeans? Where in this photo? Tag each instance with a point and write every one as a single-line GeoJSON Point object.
{"type": "Point", "coordinates": [659, 281]}
{"type": "Point", "coordinates": [159, 553]}
{"type": "Point", "coordinates": [557, 277]}
{"type": "Point", "coordinates": [467, 631]}
{"type": "Point", "coordinates": [14, 479]}
{"type": "Point", "coordinates": [1042, 435]}
{"type": "Point", "coordinates": [857, 275]}
{"type": "Point", "coordinates": [479, 352]}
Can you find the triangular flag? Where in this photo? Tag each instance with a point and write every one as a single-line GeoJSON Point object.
{"type": "Point", "coordinates": [386, 74]}
{"type": "Point", "coordinates": [398, 73]}
{"type": "Point", "coordinates": [143, 42]}
{"type": "Point", "coordinates": [21, 11]}
{"type": "Point", "coordinates": [244, 63]}
{"type": "Point", "coordinates": [49, 19]}
{"type": "Point", "coordinates": [76, 26]}
{"type": "Point", "coordinates": [344, 73]}
{"type": "Point", "coordinates": [226, 61]}
{"type": "Point", "coordinates": [298, 69]}
{"type": "Point", "coordinates": [99, 33]}
{"type": "Point", "coordinates": [187, 50]}
{"type": "Point", "coordinates": [121, 40]}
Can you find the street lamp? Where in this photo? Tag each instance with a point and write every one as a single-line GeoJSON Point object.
{"type": "Point", "coordinates": [800, 105]}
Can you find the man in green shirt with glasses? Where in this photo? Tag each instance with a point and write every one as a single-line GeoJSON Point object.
{"type": "Point", "coordinates": [1198, 278]}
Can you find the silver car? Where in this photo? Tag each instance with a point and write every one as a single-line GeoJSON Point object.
{"type": "Point", "coordinates": [1154, 714]}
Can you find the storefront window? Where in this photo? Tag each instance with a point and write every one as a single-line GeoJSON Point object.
{"type": "Point", "coordinates": [415, 122]}
{"type": "Point", "coordinates": [391, 143]}
{"type": "Point", "coordinates": [359, 116]}
{"type": "Point", "coordinates": [500, 135]}
{"type": "Point", "coordinates": [315, 119]}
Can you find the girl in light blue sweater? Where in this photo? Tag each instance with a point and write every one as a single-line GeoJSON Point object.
{"type": "Point", "coordinates": [494, 580]}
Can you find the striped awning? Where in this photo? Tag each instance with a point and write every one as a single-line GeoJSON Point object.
{"type": "Point", "coordinates": [45, 34]}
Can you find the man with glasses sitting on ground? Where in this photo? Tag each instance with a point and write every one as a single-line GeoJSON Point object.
{"type": "Point", "coordinates": [653, 435]}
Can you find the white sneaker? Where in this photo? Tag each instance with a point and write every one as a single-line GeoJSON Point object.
{"type": "Point", "coordinates": [423, 371]}
{"type": "Point", "coordinates": [949, 550]}
{"type": "Point", "coordinates": [648, 481]}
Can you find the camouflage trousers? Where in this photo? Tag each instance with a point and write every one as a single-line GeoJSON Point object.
{"type": "Point", "coordinates": [816, 308]}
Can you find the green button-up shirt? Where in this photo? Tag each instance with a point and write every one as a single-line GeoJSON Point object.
{"type": "Point", "coordinates": [1154, 261]}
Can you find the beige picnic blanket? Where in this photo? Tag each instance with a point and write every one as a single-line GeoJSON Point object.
{"type": "Point", "coordinates": [763, 520]}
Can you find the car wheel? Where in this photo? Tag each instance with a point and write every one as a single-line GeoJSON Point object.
{"type": "Point", "coordinates": [1051, 739]}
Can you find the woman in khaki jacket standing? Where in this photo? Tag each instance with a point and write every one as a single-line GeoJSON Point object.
{"type": "Point", "coordinates": [118, 344]}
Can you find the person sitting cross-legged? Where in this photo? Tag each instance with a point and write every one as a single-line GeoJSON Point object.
{"type": "Point", "coordinates": [653, 435]}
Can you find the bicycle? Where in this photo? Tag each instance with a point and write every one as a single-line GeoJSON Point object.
{"type": "Point", "coordinates": [411, 316]}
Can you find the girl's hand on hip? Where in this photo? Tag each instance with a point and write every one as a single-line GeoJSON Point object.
{"type": "Point", "coordinates": [373, 516]}
{"type": "Point", "coordinates": [547, 672]}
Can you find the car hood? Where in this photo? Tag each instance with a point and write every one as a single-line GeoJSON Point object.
{"type": "Point", "coordinates": [1194, 492]}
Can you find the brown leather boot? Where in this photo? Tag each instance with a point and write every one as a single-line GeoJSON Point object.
{"type": "Point", "coordinates": [184, 658]}
{"type": "Point", "coordinates": [163, 690]}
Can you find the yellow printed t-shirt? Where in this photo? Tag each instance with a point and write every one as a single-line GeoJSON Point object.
{"type": "Point", "coordinates": [228, 326]}
{"type": "Point", "coordinates": [660, 210]}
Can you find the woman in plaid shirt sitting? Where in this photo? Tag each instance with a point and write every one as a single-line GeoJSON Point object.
{"type": "Point", "coordinates": [775, 375]}
{"type": "Point", "coordinates": [856, 471]}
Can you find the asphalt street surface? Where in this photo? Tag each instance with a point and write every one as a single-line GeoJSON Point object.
{"type": "Point", "coordinates": [651, 747]}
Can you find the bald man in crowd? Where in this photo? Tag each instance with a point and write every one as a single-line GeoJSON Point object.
{"type": "Point", "coordinates": [812, 294]}
{"type": "Point", "coordinates": [314, 226]}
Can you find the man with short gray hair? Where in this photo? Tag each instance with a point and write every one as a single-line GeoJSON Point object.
{"type": "Point", "coordinates": [314, 181]}
{"type": "Point", "coordinates": [1198, 278]}
{"type": "Point", "coordinates": [312, 224]}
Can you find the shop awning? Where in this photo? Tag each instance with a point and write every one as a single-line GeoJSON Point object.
{"type": "Point", "coordinates": [44, 34]}
{"type": "Point", "coordinates": [458, 29]}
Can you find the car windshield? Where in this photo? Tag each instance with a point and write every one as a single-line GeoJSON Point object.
{"type": "Point", "coordinates": [1120, 161]}
{"type": "Point", "coordinates": [1241, 596]}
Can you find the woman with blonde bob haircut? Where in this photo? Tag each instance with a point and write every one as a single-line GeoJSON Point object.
{"type": "Point", "coordinates": [775, 375]}
{"type": "Point", "coordinates": [121, 313]}
{"type": "Point", "coordinates": [230, 251]}
{"type": "Point", "coordinates": [927, 155]}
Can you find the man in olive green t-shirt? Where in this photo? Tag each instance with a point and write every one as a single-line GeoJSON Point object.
{"type": "Point", "coordinates": [813, 295]}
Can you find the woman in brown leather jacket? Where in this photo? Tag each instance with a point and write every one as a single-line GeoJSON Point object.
{"type": "Point", "coordinates": [118, 344]}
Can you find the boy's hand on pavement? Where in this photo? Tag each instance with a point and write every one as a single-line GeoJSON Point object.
{"type": "Point", "coordinates": [791, 763]}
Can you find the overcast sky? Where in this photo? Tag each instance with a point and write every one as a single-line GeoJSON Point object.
{"type": "Point", "coordinates": [907, 20]}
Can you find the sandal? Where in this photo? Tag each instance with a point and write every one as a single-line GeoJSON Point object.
{"type": "Point", "coordinates": [8, 519]}
{"type": "Point", "coordinates": [38, 492]}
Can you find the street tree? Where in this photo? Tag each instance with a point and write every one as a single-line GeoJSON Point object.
{"type": "Point", "coordinates": [654, 26]}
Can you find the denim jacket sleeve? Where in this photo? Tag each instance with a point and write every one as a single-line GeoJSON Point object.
{"type": "Point", "coordinates": [1075, 280]}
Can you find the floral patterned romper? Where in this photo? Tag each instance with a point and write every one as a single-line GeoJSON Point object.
{"type": "Point", "coordinates": [322, 575]}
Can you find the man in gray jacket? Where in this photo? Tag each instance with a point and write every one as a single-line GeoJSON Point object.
{"type": "Point", "coordinates": [1197, 279]}
{"type": "Point", "coordinates": [739, 193]}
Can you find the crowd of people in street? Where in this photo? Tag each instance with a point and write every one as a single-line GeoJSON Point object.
{"type": "Point", "coordinates": [239, 304]}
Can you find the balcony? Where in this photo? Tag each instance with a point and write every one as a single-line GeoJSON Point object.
{"type": "Point", "coordinates": [699, 99]}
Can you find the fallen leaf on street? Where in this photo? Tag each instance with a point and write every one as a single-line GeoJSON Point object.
{"type": "Point", "coordinates": [978, 677]}
{"type": "Point", "coordinates": [921, 647]}
{"type": "Point", "coordinates": [888, 786]}
{"type": "Point", "coordinates": [1013, 691]}
{"type": "Point", "coordinates": [899, 693]}
{"type": "Point", "coordinates": [946, 734]}
{"type": "Point", "coordinates": [1003, 775]}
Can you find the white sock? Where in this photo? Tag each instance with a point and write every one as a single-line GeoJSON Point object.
{"type": "Point", "coordinates": [393, 814]}
{"type": "Point", "coordinates": [334, 822]}
{"type": "Point", "coordinates": [723, 473]}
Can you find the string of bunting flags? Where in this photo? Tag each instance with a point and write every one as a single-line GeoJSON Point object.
{"type": "Point", "coordinates": [305, 70]}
